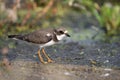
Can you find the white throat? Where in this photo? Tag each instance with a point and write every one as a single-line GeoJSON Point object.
{"type": "Point", "coordinates": [60, 37]}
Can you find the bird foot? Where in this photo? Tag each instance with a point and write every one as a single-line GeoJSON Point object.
{"type": "Point", "coordinates": [44, 62]}
{"type": "Point", "coordinates": [50, 61]}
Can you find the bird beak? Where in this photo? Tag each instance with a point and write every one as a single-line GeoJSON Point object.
{"type": "Point", "coordinates": [67, 34]}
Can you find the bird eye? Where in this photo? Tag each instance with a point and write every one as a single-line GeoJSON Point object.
{"type": "Point", "coordinates": [61, 32]}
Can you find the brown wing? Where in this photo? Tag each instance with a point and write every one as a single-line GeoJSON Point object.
{"type": "Point", "coordinates": [38, 37]}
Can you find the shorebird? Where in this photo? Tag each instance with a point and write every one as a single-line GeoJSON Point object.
{"type": "Point", "coordinates": [43, 38]}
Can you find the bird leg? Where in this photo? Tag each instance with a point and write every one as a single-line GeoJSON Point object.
{"type": "Point", "coordinates": [49, 60]}
{"type": "Point", "coordinates": [40, 57]}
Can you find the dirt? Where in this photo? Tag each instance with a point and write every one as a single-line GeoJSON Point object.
{"type": "Point", "coordinates": [26, 70]}
{"type": "Point", "coordinates": [81, 59]}
{"type": "Point", "coordinates": [73, 61]}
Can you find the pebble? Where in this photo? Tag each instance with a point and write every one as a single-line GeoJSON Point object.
{"type": "Point", "coordinates": [67, 73]}
{"type": "Point", "coordinates": [105, 75]}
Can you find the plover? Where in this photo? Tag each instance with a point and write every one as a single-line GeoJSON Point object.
{"type": "Point", "coordinates": [43, 38]}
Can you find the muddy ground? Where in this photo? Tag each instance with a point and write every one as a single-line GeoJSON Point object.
{"type": "Point", "coordinates": [73, 61]}
{"type": "Point", "coordinates": [81, 58]}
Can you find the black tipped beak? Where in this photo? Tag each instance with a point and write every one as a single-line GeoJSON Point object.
{"type": "Point", "coordinates": [67, 34]}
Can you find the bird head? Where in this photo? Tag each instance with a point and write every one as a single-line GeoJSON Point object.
{"type": "Point", "coordinates": [61, 33]}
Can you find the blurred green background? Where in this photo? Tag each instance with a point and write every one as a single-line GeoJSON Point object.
{"type": "Point", "coordinates": [89, 19]}
{"type": "Point", "coordinates": [88, 22]}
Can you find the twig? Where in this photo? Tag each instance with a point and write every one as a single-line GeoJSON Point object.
{"type": "Point", "coordinates": [44, 11]}
{"type": "Point", "coordinates": [27, 16]}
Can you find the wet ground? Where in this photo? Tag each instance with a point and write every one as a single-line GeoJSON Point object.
{"type": "Point", "coordinates": [84, 57]}
{"type": "Point", "coordinates": [73, 61]}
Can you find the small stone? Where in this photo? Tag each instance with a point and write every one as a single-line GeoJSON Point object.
{"type": "Point", "coordinates": [34, 56]}
{"type": "Point", "coordinates": [108, 69]}
{"type": "Point", "coordinates": [106, 61]}
{"type": "Point", "coordinates": [4, 50]}
{"type": "Point", "coordinates": [67, 73]}
{"type": "Point", "coordinates": [105, 75]}
{"type": "Point", "coordinates": [81, 53]}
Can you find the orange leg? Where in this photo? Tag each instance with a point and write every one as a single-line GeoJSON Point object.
{"type": "Point", "coordinates": [49, 60]}
{"type": "Point", "coordinates": [40, 57]}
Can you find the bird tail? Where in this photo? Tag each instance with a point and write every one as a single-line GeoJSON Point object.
{"type": "Point", "coordinates": [16, 37]}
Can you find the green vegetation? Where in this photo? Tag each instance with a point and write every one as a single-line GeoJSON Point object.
{"type": "Point", "coordinates": [107, 14]}
{"type": "Point", "coordinates": [108, 17]}
{"type": "Point", "coordinates": [38, 14]}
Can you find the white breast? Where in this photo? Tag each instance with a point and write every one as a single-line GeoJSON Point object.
{"type": "Point", "coordinates": [47, 44]}
{"type": "Point", "coordinates": [60, 37]}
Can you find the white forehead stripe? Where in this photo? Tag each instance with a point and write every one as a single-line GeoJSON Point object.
{"type": "Point", "coordinates": [66, 32]}
{"type": "Point", "coordinates": [48, 34]}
